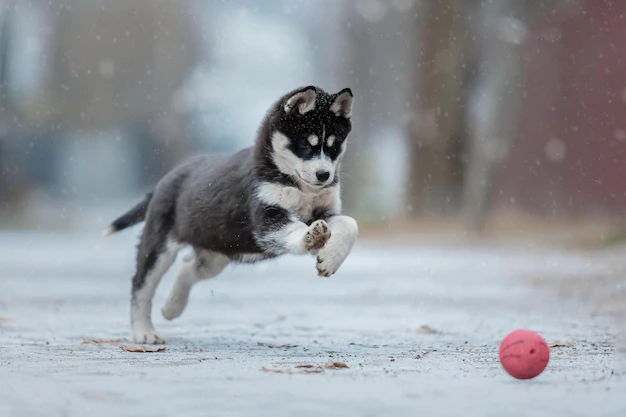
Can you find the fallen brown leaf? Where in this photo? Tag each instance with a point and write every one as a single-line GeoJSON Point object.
{"type": "Point", "coordinates": [426, 330]}
{"type": "Point", "coordinates": [274, 346]}
{"type": "Point", "coordinates": [103, 341]}
{"type": "Point", "coordinates": [560, 344]}
{"type": "Point", "coordinates": [293, 372]}
{"type": "Point", "coordinates": [334, 365]}
{"type": "Point", "coordinates": [143, 349]}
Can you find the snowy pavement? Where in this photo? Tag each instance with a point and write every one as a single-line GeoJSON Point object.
{"type": "Point", "coordinates": [56, 290]}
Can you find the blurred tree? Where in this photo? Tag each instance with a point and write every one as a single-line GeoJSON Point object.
{"type": "Point", "coordinates": [10, 184]}
{"type": "Point", "coordinates": [469, 88]}
{"type": "Point", "coordinates": [496, 102]}
{"type": "Point", "coordinates": [374, 57]}
{"type": "Point", "coordinates": [75, 75]}
{"type": "Point", "coordinates": [3, 105]}
{"type": "Point", "coordinates": [503, 29]}
{"type": "Point", "coordinates": [438, 131]}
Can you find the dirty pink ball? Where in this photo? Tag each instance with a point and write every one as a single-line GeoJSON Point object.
{"type": "Point", "coordinates": [524, 354]}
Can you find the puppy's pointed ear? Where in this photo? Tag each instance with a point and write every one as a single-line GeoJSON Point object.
{"type": "Point", "coordinates": [342, 106]}
{"type": "Point", "coordinates": [304, 101]}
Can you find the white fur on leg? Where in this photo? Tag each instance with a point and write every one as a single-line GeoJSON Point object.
{"type": "Point", "coordinates": [297, 238]}
{"type": "Point", "coordinates": [141, 303]}
{"type": "Point", "coordinates": [203, 265]}
{"type": "Point", "coordinates": [292, 237]}
{"type": "Point", "coordinates": [289, 239]}
{"type": "Point", "coordinates": [179, 294]}
{"type": "Point", "coordinates": [344, 233]}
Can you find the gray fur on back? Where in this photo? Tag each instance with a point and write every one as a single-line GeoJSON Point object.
{"type": "Point", "coordinates": [209, 198]}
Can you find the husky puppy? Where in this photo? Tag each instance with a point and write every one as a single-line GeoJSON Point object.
{"type": "Point", "coordinates": [279, 196]}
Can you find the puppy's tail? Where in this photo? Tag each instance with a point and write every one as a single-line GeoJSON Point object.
{"type": "Point", "coordinates": [133, 216]}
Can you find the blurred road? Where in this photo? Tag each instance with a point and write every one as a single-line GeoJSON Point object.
{"type": "Point", "coordinates": [56, 290]}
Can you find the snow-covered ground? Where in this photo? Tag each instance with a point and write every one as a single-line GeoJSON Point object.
{"type": "Point", "coordinates": [58, 289]}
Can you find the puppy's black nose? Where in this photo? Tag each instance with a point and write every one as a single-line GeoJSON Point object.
{"type": "Point", "coordinates": [322, 176]}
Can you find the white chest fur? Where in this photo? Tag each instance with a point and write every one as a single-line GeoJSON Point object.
{"type": "Point", "coordinates": [300, 203]}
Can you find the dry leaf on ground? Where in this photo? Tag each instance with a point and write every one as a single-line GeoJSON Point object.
{"type": "Point", "coordinates": [143, 349]}
{"type": "Point", "coordinates": [103, 341]}
{"type": "Point", "coordinates": [294, 371]}
{"type": "Point", "coordinates": [560, 344]}
{"type": "Point", "coordinates": [273, 346]}
{"type": "Point", "coordinates": [335, 365]}
{"type": "Point", "coordinates": [426, 330]}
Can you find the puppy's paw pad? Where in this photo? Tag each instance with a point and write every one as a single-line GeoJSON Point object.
{"type": "Point", "coordinates": [149, 338]}
{"type": "Point", "coordinates": [317, 235]}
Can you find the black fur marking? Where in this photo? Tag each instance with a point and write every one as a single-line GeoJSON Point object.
{"type": "Point", "coordinates": [145, 263]}
{"type": "Point", "coordinates": [133, 216]}
{"type": "Point", "coordinates": [320, 213]}
{"type": "Point", "coordinates": [320, 122]}
{"type": "Point", "coordinates": [267, 219]}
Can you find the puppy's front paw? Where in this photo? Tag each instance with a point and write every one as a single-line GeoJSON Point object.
{"type": "Point", "coordinates": [330, 258]}
{"type": "Point", "coordinates": [326, 266]}
{"type": "Point", "coordinates": [317, 236]}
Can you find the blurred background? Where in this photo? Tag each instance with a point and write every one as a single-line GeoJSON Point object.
{"type": "Point", "coordinates": [470, 115]}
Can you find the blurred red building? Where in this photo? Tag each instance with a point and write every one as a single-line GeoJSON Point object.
{"type": "Point", "coordinates": [569, 154]}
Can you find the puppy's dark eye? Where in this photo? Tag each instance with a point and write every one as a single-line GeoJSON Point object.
{"type": "Point", "coordinates": [303, 142]}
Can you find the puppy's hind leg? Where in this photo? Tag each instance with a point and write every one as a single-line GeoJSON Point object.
{"type": "Point", "coordinates": [202, 265]}
{"type": "Point", "coordinates": [154, 258]}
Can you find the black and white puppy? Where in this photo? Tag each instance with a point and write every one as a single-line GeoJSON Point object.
{"type": "Point", "coordinates": [279, 196]}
